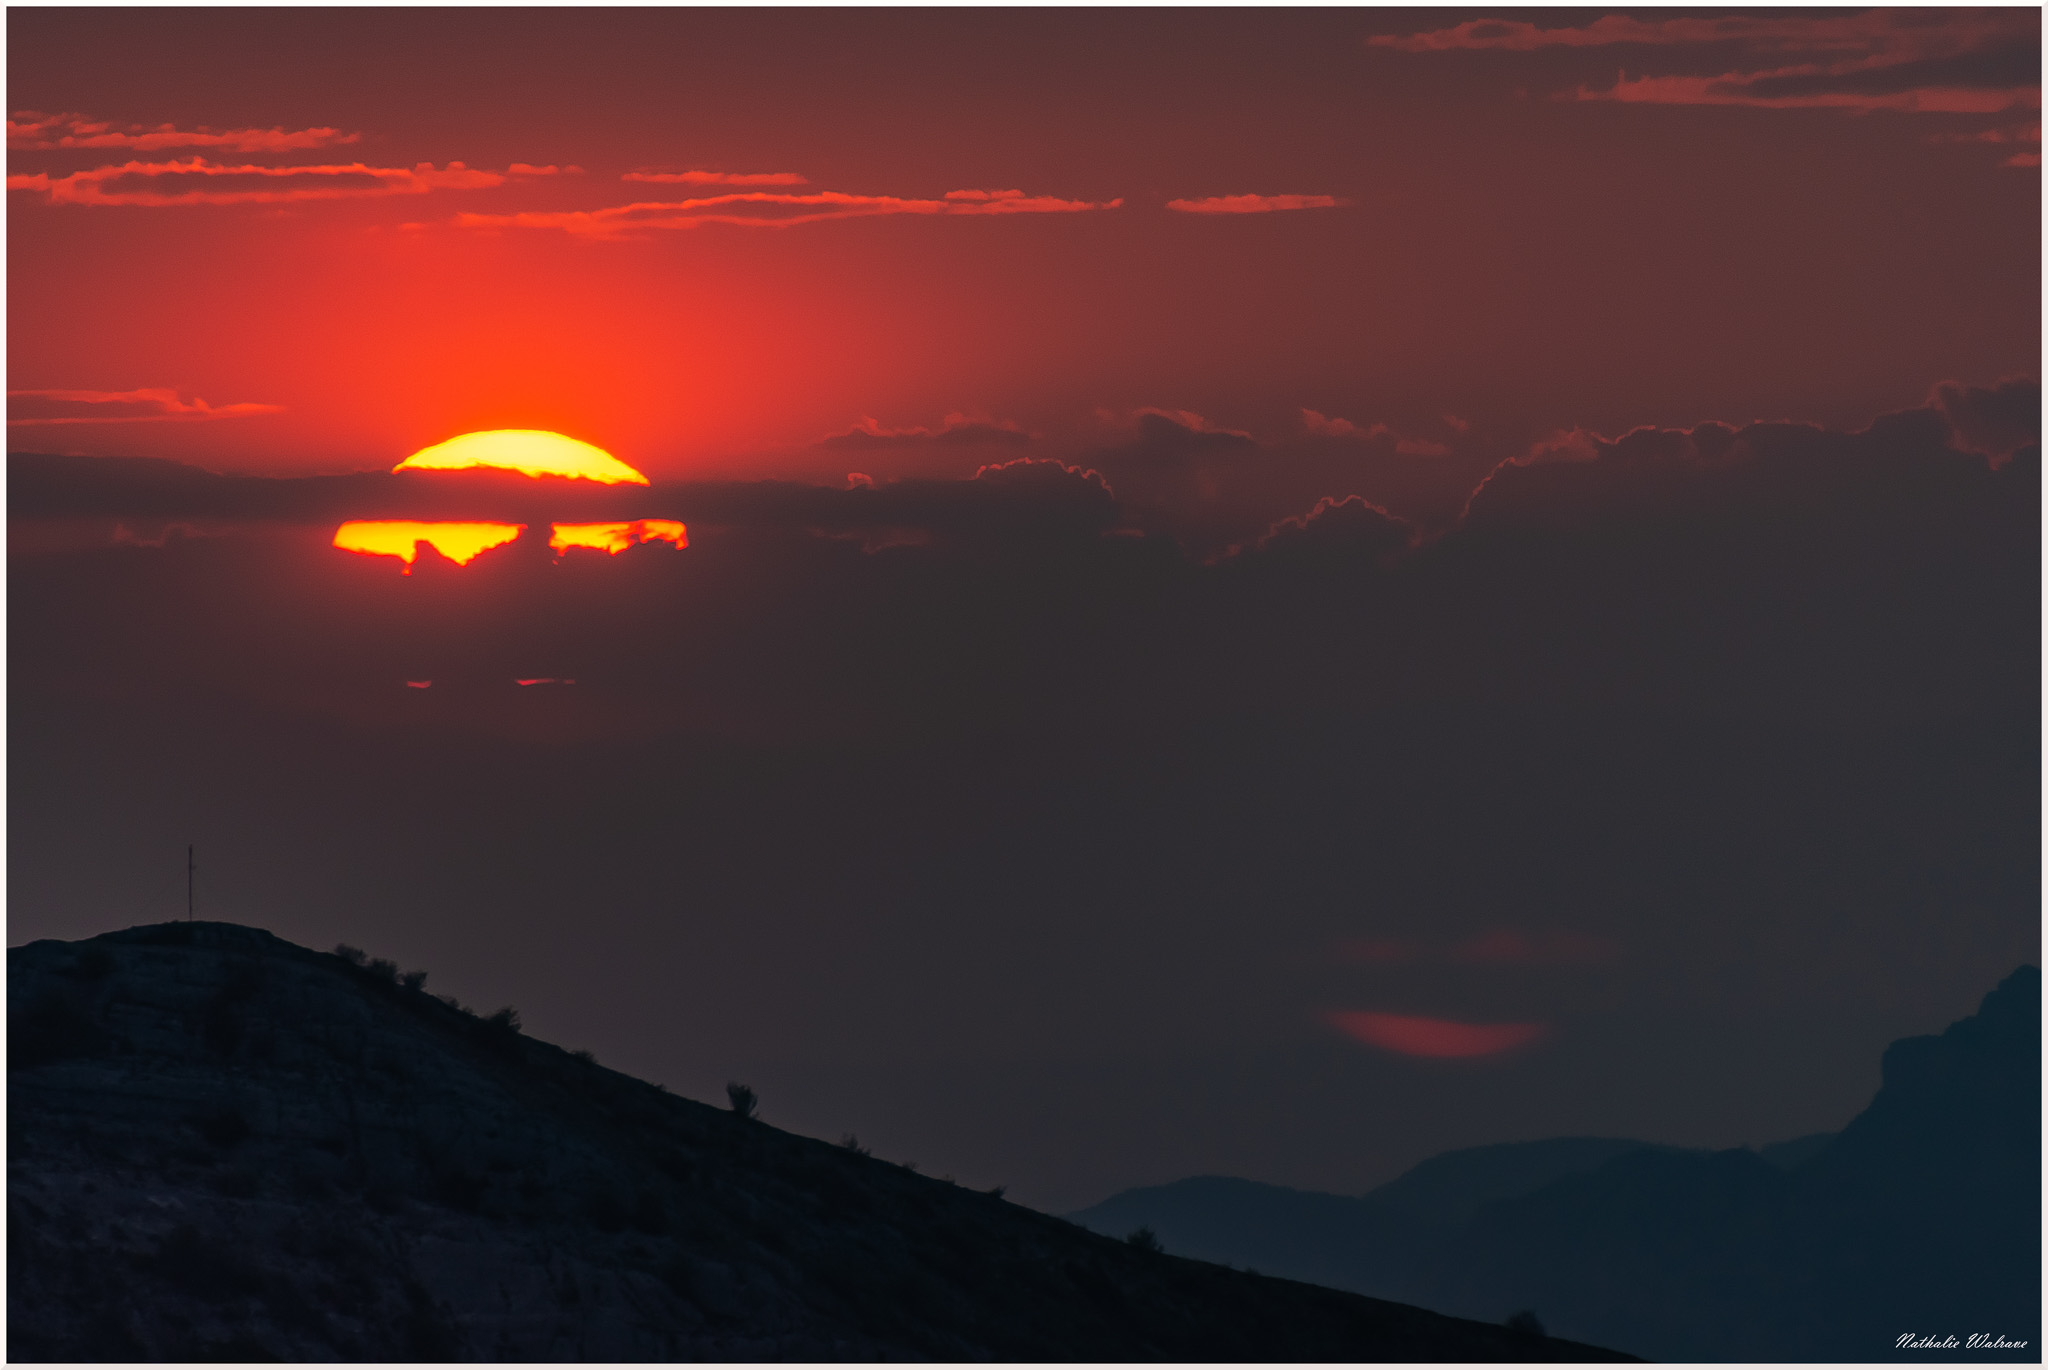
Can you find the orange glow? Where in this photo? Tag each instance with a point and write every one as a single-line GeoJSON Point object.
{"type": "Point", "coordinates": [1439, 1038]}
{"type": "Point", "coordinates": [529, 450]}
{"type": "Point", "coordinates": [461, 543]}
{"type": "Point", "coordinates": [617, 537]}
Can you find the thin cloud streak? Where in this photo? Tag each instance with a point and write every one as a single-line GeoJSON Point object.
{"type": "Point", "coordinates": [718, 178]}
{"type": "Point", "coordinates": [1255, 204]}
{"type": "Point", "coordinates": [818, 207]}
{"type": "Point", "coordinates": [31, 130]}
{"type": "Point", "coordinates": [213, 183]}
{"type": "Point", "coordinates": [1740, 89]}
{"type": "Point", "coordinates": [1958, 62]}
{"type": "Point", "coordinates": [1435, 1038]}
{"type": "Point", "coordinates": [121, 406]}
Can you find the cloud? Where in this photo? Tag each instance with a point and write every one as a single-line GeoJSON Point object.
{"type": "Point", "coordinates": [50, 407]}
{"type": "Point", "coordinates": [528, 169]}
{"type": "Point", "coordinates": [1947, 62]}
{"type": "Point", "coordinates": [1322, 426]}
{"type": "Point", "coordinates": [1993, 422]}
{"type": "Point", "coordinates": [1254, 204]}
{"type": "Point", "coordinates": [200, 182]}
{"type": "Point", "coordinates": [29, 130]}
{"type": "Point", "coordinates": [718, 178]}
{"type": "Point", "coordinates": [958, 430]}
{"type": "Point", "coordinates": [766, 209]}
{"type": "Point", "coordinates": [1345, 529]}
{"type": "Point", "coordinates": [1435, 1038]}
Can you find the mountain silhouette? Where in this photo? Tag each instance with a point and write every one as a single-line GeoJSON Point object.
{"type": "Point", "coordinates": [227, 1147]}
{"type": "Point", "coordinates": [1922, 1217]}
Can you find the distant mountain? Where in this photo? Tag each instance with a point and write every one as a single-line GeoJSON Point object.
{"type": "Point", "coordinates": [1922, 1216]}
{"type": "Point", "coordinates": [1370, 1244]}
{"type": "Point", "coordinates": [226, 1147]}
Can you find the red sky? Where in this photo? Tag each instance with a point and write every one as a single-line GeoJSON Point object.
{"type": "Point", "coordinates": [1781, 217]}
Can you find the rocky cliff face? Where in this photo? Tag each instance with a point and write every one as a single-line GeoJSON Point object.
{"type": "Point", "coordinates": [223, 1146]}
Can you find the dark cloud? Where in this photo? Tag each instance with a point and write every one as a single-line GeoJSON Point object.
{"type": "Point", "coordinates": [1994, 421]}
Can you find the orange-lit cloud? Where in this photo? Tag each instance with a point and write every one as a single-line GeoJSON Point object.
{"type": "Point", "coordinates": [1323, 426]}
{"type": "Point", "coordinates": [1435, 1038]}
{"type": "Point", "coordinates": [528, 169]}
{"type": "Point", "coordinates": [461, 543]}
{"type": "Point", "coordinates": [767, 209]}
{"type": "Point", "coordinates": [29, 130]}
{"type": "Point", "coordinates": [617, 537]}
{"type": "Point", "coordinates": [200, 182]}
{"type": "Point", "coordinates": [1254, 204]}
{"type": "Point", "coordinates": [544, 680]}
{"type": "Point", "coordinates": [45, 407]}
{"type": "Point", "coordinates": [718, 178]}
{"type": "Point", "coordinates": [419, 684]}
{"type": "Point", "coordinates": [531, 451]}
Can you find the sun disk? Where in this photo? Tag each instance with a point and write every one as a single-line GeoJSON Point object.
{"type": "Point", "coordinates": [530, 450]}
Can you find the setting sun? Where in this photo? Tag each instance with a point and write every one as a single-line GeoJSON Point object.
{"type": "Point", "coordinates": [530, 450]}
{"type": "Point", "coordinates": [461, 543]}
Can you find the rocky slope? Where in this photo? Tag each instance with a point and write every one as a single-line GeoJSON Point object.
{"type": "Point", "coordinates": [224, 1146]}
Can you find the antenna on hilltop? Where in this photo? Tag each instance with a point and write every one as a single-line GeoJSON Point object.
{"type": "Point", "coordinates": [189, 868]}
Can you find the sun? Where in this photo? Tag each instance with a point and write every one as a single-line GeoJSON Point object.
{"type": "Point", "coordinates": [531, 450]}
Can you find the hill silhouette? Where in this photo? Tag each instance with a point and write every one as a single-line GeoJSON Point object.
{"type": "Point", "coordinates": [1922, 1216]}
{"type": "Point", "coordinates": [224, 1146]}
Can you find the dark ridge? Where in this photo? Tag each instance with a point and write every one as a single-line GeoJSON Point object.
{"type": "Point", "coordinates": [224, 1146]}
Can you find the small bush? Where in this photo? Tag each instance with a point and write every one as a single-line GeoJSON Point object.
{"type": "Point", "coordinates": [744, 1101]}
{"type": "Point", "coordinates": [353, 955]}
{"type": "Point", "coordinates": [999, 1191]}
{"type": "Point", "coordinates": [588, 1058]}
{"type": "Point", "coordinates": [414, 979]}
{"type": "Point", "coordinates": [1525, 1323]}
{"type": "Point", "coordinates": [384, 970]}
{"type": "Point", "coordinates": [852, 1143]}
{"type": "Point", "coordinates": [1145, 1240]}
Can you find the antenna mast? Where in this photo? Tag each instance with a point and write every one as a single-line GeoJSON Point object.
{"type": "Point", "coordinates": [189, 868]}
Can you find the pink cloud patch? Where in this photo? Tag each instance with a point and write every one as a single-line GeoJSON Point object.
{"type": "Point", "coordinates": [1254, 204]}
{"type": "Point", "coordinates": [1435, 1038]}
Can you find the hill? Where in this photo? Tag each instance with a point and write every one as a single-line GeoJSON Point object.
{"type": "Point", "coordinates": [224, 1146]}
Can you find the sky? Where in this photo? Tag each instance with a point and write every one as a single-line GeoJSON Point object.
{"type": "Point", "coordinates": [1265, 593]}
